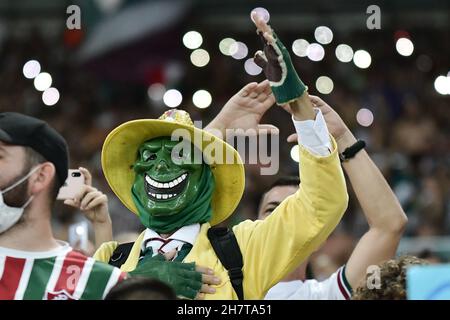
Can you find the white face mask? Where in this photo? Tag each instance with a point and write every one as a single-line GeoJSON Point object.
{"type": "Point", "coordinates": [10, 215]}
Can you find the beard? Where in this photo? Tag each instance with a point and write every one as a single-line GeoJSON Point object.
{"type": "Point", "coordinates": [19, 195]}
{"type": "Point", "coordinates": [17, 198]}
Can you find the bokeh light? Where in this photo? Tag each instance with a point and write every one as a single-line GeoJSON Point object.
{"type": "Point", "coordinates": [31, 69]}
{"type": "Point", "coordinates": [156, 91]}
{"type": "Point", "coordinates": [324, 85]}
{"type": "Point", "coordinates": [300, 47]}
{"type": "Point", "coordinates": [225, 46]}
{"type": "Point", "coordinates": [364, 117]}
{"type": "Point", "coordinates": [362, 59]}
{"type": "Point", "coordinates": [442, 85]}
{"type": "Point", "coordinates": [192, 40]}
{"type": "Point", "coordinates": [251, 67]}
{"type": "Point", "coordinates": [50, 96]}
{"type": "Point", "coordinates": [404, 46]}
{"type": "Point", "coordinates": [344, 53]}
{"type": "Point", "coordinates": [42, 81]}
{"type": "Point", "coordinates": [200, 57]}
{"type": "Point", "coordinates": [323, 35]}
{"type": "Point", "coordinates": [238, 50]}
{"type": "Point", "coordinates": [295, 153]}
{"type": "Point", "coordinates": [172, 98]}
{"type": "Point", "coordinates": [202, 99]}
{"type": "Point", "coordinates": [315, 52]}
{"type": "Point", "coordinates": [262, 13]}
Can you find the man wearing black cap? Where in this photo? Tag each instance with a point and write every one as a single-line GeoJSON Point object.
{"type": "Point", "coordinates": [33, 264]}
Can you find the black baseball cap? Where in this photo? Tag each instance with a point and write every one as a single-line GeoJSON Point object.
{"type": "Point", "coordinates": [22, 130]}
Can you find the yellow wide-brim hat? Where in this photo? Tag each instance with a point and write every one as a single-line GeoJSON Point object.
{"type": "Point", "coordinates": [121, 148]}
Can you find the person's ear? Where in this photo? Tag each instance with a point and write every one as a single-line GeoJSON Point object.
{"type": "Point", "coordinates": [42, 178]}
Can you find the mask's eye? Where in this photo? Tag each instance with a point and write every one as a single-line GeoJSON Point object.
{"type": "Point", "coordinates": [148, 155]}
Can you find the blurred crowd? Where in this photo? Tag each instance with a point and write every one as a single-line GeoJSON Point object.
{"type": "Point", "coordinates": [408, 139]}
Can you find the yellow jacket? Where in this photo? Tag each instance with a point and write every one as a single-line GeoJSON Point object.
{"type": "Point", "coordinates": [273, 247]}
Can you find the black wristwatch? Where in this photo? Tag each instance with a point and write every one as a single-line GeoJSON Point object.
{"type": "Point", "coordinates": [352, 150]}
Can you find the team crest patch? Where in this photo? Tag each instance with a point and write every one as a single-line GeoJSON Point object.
{"type": "Point", "coordinates": [59, 295]}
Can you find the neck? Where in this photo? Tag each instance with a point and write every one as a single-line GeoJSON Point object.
{"type": "Point", "coordinates": [33, 234]}
{"type": "Point", "coordinates": [297, 274]}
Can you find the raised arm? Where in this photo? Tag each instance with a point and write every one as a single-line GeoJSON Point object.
{"type": "Point", "coordinates": [275, 246]}
{"type": "Point", "coordinates": [381, 208]}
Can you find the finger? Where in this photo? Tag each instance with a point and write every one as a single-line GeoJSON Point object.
{"type": "Point", "coordinates": [88, 198]}
{"type": "Point", "coordinates": [269, 101]}
{"type": "Point", "coordinates": [262, 86]}
{"type": "Point", "coordinates": [200, 296]}
{"type": "Point", "coordinates": [260, 59]}
{"type": "Point", "coordinates": [269, 38]}
{"type": "Point", "coordinates": [271, 55]}
{"type": "Point", "coordinates": [261, 38]}
{"type": "Point", "coordinates": [260, 23]}
{"type": "Point", "coordinates": [292, 138]}
{"type": "Point", "coordinates": [85, 189]}
{"type": "Point", "coordinates": [268, 128]}
{"type": "Point", "coordinates": [316, 100]}
{"type": "Point", "coordinates": [87, 176]}
{"type": "Point", "coordinates": [70, 202]}
{"type": "Point", "coordinates": [267, 88]}
{"type": "Point", "coordinates": [261, 97]}
{"type": "Point", "coordinates": [98, 199]}
{"type": "Point", "coordinates": [94, 203]}
{"type": "Point", "coordinates": [204, 270]}
{"type": "Point", "coordinates": [247, 89]}
{"type": "Point", "coordinates": [208, 279]}
{"type": "Point", "coordinates": [266, 97]}
{"type": "Point", "coordinates": [207, 289]}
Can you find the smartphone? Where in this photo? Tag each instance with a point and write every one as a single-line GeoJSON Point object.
{"type": "Point", "coordinates": [78, 235]}
{"type": "Point", "coordinates": [72, 186]}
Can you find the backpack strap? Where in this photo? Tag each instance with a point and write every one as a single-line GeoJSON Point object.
{"type": "Point", "coordinates": [120, 254]}
{"type": "Point", "coordinates": [227, 250]}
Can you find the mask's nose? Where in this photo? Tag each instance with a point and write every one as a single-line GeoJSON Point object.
{"type": "Point", "coordinates": [162, 166]}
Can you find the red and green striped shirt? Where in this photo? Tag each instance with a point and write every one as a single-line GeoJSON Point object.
{"type": "Point", "coordinates": [60, 274]}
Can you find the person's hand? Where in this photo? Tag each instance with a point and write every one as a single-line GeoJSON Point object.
{"type": "Point", "coordinates": [335, 124]}
{"type": "Point", "coordinates": [94, 205]}
{"type": "Point", "coordinates": [245, 109]}
{"type": "Point", "coordinates": [188, 281]}
{"type": "Point", "coordinates": [277, 65]}
{"type": "Point", "coordinates": [279, 70]}
{"type": "Point", "coordinates": [92, 202]}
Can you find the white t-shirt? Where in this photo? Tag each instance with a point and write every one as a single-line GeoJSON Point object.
{"type": "Point", "coordinates": [336, 287]}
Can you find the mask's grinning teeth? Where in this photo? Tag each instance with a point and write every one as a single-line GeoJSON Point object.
{"type": "Point", "coordinates": [158, 190]}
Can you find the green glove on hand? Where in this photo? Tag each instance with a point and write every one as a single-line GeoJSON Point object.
{"type": "Point", "coordinates": [278, 68]}
{"type": "Point", "coordinates": [182, 277]}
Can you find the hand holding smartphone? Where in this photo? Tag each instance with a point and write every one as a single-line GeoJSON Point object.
{"type": "Point", "coordinates": [72, 186]}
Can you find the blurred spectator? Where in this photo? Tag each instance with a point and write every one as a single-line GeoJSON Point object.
{"type": "Point", "coordinates": [141, 289]}
{"type": "Point", "coordinates": [392, 279]}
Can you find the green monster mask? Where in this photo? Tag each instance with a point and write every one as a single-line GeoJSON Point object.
{"type": "Point", "coordinates": [169, 196]}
